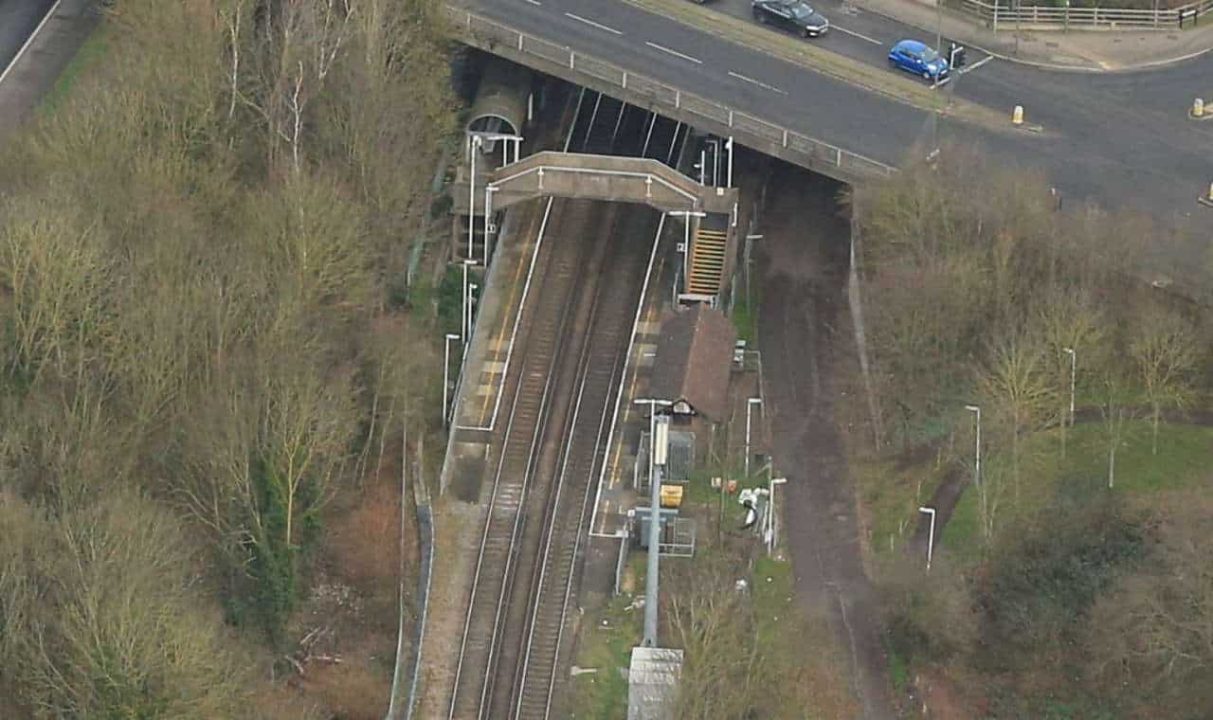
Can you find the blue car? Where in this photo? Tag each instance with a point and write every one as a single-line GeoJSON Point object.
{"type": "Point", "coordinates": [918, 58]}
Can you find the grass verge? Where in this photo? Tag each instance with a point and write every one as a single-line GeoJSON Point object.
{"type": "Point", "coordinates": [824, 62]}
{"type": "Point", "coordinates": [891, 497]}
{"type": "Point", "coordinates": [86, 58]}
{"type": "Point", "coordinates": [605, 646]}
{"type": "Point", "coordinates": [1183, 458]}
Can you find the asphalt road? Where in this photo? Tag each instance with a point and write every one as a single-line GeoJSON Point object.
{"type": "Point", "coordinates": [1121, 139]}
{"type": "Point", "coordinates": [18, 18]}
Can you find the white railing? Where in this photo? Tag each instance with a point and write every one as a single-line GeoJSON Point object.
{"type": "Point", "coordinates": [1007, 14]}
{"type": "Point", "coordinates": [745, 128]}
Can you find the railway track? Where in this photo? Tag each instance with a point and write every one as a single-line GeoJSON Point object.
{"type": "Point", "coordinates": [577, 336]}
{"type": "Point", "coordinates": [536, 675]}
{"type": "Point", "coordinates": [562, 267]}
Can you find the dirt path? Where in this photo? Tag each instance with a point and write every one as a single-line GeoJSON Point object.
{"type": "Point", "coordinates": [803, 327]}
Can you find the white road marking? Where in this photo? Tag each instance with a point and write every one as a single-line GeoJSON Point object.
{"type": "Point", "coordinates": [535, 2]}
{"type": "Point", "coordinates": [675, 53]}
{"type": "Point", "coordinates": [861, 36]}
{"type": "Point", "coordinates": [593, 24]}
{"type": "Point", "coordinates": [974, 66]}
{"type": "Point", "coordinates": [759, 83]}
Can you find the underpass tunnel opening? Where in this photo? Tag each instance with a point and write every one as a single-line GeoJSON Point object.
{"type": "Point", "coordinates": [503, 105]}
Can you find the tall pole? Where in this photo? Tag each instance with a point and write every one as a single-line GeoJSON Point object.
{"type": "Point", "coordinates": [729, 146]}
{"type": "Point", "coordinates": [750, 403]}
{"type": "Point", "coordinates": [652, 574]}
{"type": "Point", "coordinates": [463, 310]}
{"type": "Point", "coordinates": [977, 454]}
{"type": "Point", "coordinates": [446, 369]}
{"type": "Point", "coordinates": [473, 145]}
{"type": "Point", "coordinates": [488, 213]}
{"type": "Point", "coordinates": [472, 288]}
{"type": "Point", "coordinates": [939, 26]}
{"type": "Point", "coordinates": [930, 536]}
{"type": "Point", "coordinates": [1073, 373]}
{"type": "Point", "coordinates": [771, 511]}
{"type": "Point", "coordinates": [686, 251]}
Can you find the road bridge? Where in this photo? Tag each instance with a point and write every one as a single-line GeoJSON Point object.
{"type": "Point", "coordinates": [701, 112]}
{"type": "Point", "coordinates": [1121, 139]}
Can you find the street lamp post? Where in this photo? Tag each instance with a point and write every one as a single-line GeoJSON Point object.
{"type": "Point", "coordinates": [472, 288]}
{"type": "Point", "coordinates": [728, 144]}
{"type": "Point", "coordinates": [488, 213]}
{"type": "Point", "coordinates": [474, 147]}
{"type": "Point", "coordinates": [651, 578]}
{"type": "Point", "coordinates": [1073, 374]}
{"type": "Point", "coordinates": [930, 535]}
{"type": "Point", "coordinates": [446, 368]}
{"type": "Point", "coordinates": [714, 143]}
{"type": "Point", "coordinates": [977, 455]}
{"type": "Point", "coordinates": [464, 330]}
{"type": "Point", "coordinates": [750, 403]}
{"type": "Point", "coordinates": [771, 511]}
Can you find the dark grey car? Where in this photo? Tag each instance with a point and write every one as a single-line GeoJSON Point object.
{"type": "Point", "coordinates": [795, 15]}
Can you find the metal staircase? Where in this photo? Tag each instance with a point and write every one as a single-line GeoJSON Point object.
{"type": "Point", "coordinates": [709, 252]}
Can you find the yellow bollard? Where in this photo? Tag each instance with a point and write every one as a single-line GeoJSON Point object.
{"type": "Point", "coordinates": [1210, 196]}
{"type": "Point", "coordinates": [1198, 108]}
{"type": "Point", "coordinates": [1017, 115]}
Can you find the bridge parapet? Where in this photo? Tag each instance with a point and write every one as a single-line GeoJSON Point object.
{"type": "Point", "coordinates": [606, 77]}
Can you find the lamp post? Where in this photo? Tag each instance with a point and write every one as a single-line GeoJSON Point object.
{"type": "Point", "coordinates": [464, 330]}
{"type": "Point", "coordinates": [714, 143]}
{"type": "Point", "coordinates": [771, 511]}
{"type": "Point", "coordinates": [977, 455]}
{"type": "Point", "coordinates": [749, 404]}
{"type": "Point", "coordinates": [474, 146]}
{"type": "Point", "coordinates": [1073, 374]}
{"type": "Point", "coordinates": [472, 288]}
{"type": "Point", "coordinates": [728, 144]}
{"type": "Point", "coordinates": [446, 369]}
{"type": "Point", "coordinates": [650, 589]}
{"type": "Point", "coordinates": [930, 535]}
{"type": "Point", "coordinates": [488, 213]}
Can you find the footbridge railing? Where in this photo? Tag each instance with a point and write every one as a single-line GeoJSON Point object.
{"type": "Point", "coordinates": [604, 177]}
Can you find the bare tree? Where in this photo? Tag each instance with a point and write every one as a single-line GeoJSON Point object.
{"type": "Point", "coordinates": [1070, 322]}
{"type": "Point", "coordinates": [1165, 351]}
{"type": "Point", "coordinates": [1019, 389]}
{"type": "Point", "coordinates": [1153, 631]}
{"type": "Point", "coordinates": [111, 632]}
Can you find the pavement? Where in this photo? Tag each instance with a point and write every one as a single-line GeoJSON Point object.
{"type": "Point", "coordinates": [25, 80]}
{"type": "Point", "coordinates": [1077, 50]}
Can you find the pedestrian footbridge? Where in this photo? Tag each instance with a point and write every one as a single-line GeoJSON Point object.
{"type": "Point", "coordinates": [594, 177]}
{"type": "Point", "coordinates": [708, 211]}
